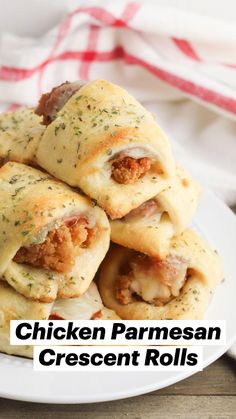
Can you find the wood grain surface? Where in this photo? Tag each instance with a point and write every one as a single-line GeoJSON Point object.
{"type": "Point", "coordinates": [208, 394]}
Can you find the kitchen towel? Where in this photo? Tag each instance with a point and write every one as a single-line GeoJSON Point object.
{"type": "Point", "coordinates": [179, 64]}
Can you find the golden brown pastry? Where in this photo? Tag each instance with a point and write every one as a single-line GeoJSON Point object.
{"type": "Point", "coordinates": [100, 139]}
{"type": "Point", "coordinates": [52, 239]}
{"type": "Point", "coordinates": [137, 286]}
{"type": "Point", "coordinates": [150, 227]}
{"type": "Point", "coordinates": [20, 133]}
{"type": "Point", "coordinates": [14, 306]}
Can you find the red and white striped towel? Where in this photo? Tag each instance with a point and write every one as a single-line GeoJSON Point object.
{"type": "Point", "coordinates": [179, 64]}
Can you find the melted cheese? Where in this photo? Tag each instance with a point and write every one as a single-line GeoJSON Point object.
{"type": "Point", "coordinates": [149, 221]}
{"type": "Point", "coordinates": [138, 153]}
{"type": "Point", "coordinates": [81, 308]}
{"type": "Point", "coordinates": [151, 284]}
{"type": "Point", "coordinates": [150, 287]}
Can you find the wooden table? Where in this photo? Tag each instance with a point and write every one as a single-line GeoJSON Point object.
{"type": "Point", "coordinates": [208, 394]}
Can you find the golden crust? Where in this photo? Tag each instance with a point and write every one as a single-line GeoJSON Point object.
{"type": "Point", "coordinates": [180, 199]}
{"type": "Point", "coordinates": [152, 235]}
{"type": "Point", "coordinates": [32, 201]}
{"type": "Point", "coordinates": [107, 314]}
{"type": "Point", "coordinates": [206, 273]}
{"type": "Point", "coordinates": [36, 284]}
{"type": "Point", "coordinates": [98, 122]}
{"type": "Point", "coordinates": [14, 306]}
{"type": "Point", "coordinates": [86, 266]}
{"type": "Point", "coordinates": [20, 134]}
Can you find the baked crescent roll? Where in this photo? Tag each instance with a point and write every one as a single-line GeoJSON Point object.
{"type": "Point", "coordinates": [137, 286]}
{"type": "Point", "coordinates": [52, 238]}
{"type": "Point", "coordinates": [87, 306]}
{"type": "Point", "coordinates": [100, 139]}
{"type": "Point", "coordinates": [150, 227]}
{"type": "Point", "coordinates": [14, 306]}
{"type": "Point", "coordinates": [20, 133]}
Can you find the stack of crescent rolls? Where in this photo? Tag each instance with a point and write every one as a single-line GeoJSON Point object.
{"type": "Point", "coordinates": [95, 214]}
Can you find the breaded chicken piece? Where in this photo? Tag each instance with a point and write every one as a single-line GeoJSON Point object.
{"type": "Point", "coordinates": [127, 170]}
{"type": "Point", "coordinates": [59, 249]}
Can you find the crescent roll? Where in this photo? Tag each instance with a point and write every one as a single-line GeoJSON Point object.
{"type": "Point", "coordinates": [100, 139]}
{"type": "Point", "coordinates": [137, 286]}
{"type": "Point", "coordinates": [88, 306]}
{"type": "Point", "coordinates": [150, 227]}
{"type": "Point", "coordinates": [14, 306]}
{"type": "Point", "coordinates": [52, 238]}
{"type": "Point", "coordinates": [20, 134]}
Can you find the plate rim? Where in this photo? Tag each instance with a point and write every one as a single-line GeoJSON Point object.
{"type": "Point", "coordinates": [108, 398]}
{"type": "Point", "coordinates": [134, 391]}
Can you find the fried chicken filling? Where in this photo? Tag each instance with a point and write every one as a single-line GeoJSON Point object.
{"type": "Point", "coordinates": [51, 103]}
{"type": "Point", "coordinates": [3, 160]}
{"type": "Point", "coordinates": [145, 278]}
{"type": "Point", "coordinates": [127, 169]}
{"type": "Point", "coordinates": [60, 247]}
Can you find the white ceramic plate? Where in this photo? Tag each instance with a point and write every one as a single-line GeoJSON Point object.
{"type": "Point", "coordinates": [18, 380]}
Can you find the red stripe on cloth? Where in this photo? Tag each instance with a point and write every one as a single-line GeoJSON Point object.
{"type": "Point", "coordinates": [108, 18]}
{"type": "Point", "coordinates": [13, 107]}
{"type": "Point", "coordinates": [189, 87]}
{"type": "Point", "coordinates": [205, 94]}
{"type": "Point", "coordinates": [100, 14]}
{"type": "Point", "coordinates": [92, 43]}
{"type": "Point", "coordinates": [130, 11]}
{"type": "Point", "coordinates": [17, 74]}
{"type": "Point", "coordinates": [186, 48]}
{"type": "Point", "coordinates": [61, 34]}
{"type": "Point", "coordinates": [116, 53]}
{"type": "Point", "coordinates": [232, 66]}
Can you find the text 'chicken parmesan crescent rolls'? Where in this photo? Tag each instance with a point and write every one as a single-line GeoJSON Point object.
{"type": "Point", "coordinates": [52, 238]}
{"type": "Point", "coordinates": [150, 227]}
{"type": "Point", "coordinates": [14, 306]}
{"type": "Point", "coordinates": [100, 139]}
{"type": "Point", "coordinates": [20, 134]}
{"type": "Point", "coordinates": [137, 286]}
